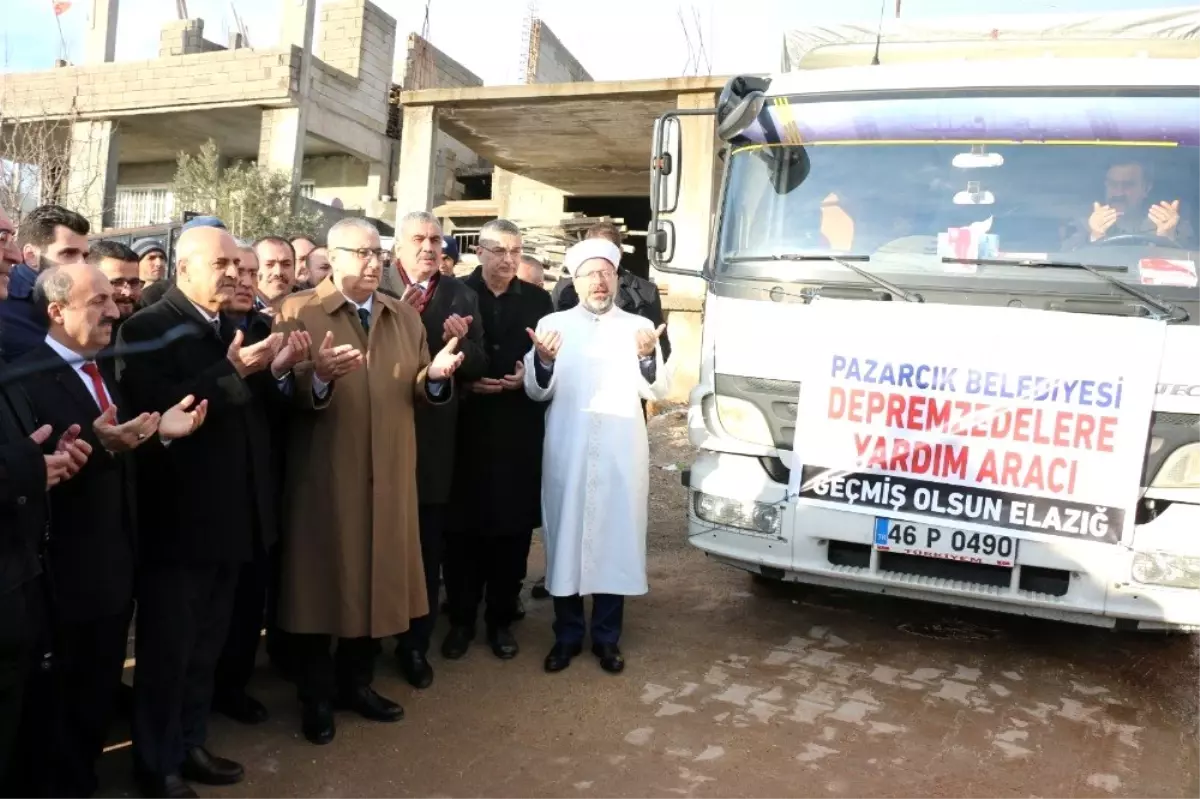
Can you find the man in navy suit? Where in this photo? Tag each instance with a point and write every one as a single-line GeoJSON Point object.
{"type": "Point", "coordinates": [26, 473]}
{"type": "Point", "coordinates": [89, 554]}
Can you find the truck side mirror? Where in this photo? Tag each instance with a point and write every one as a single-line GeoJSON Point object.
{"type": "Point", "coordinates": [660, 241]}
{"type": "Point", "coordinates": [665, 164]}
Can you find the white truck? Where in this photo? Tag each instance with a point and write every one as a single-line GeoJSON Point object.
{"type": "Point", "coordinates": [950, 344]}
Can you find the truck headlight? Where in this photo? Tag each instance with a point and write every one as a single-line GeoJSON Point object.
{"type": "Point", "coordinates": [744, 421]}
{"type": "Point", "coordinates": [1162, 568]}
{"type": "Point", "coordinates": [758, 517]}
{"type": "Point", "coordinates": [1181, 469]}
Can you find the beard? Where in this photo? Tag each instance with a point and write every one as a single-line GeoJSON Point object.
{"type": "Point", "coordinates": [598, 305]}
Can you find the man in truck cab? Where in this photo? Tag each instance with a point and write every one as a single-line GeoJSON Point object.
{"type": "Point", "coordinates": [1129, 208]}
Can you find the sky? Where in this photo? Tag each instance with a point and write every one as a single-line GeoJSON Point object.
{"type": "Point", "coordinates": [613, 39]}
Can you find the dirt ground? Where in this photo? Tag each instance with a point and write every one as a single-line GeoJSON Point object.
{"type": "Point", "coordinates": [734, 688]}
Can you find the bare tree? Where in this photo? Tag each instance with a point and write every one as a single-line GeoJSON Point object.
{"type": "Point", "coordinates": [39, 138]}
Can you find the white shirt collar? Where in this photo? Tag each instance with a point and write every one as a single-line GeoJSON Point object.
{"type": "Point", "coordinates": [208, 315]}
{"type": "Point", "coordinates": [367, 305]}
{"type": "Point", "coordinates": [69, 355]}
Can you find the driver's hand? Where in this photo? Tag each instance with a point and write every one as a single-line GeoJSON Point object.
{"type": "Point", "coordinates": [1101, 220]}
{"type": "Point", "coordinates": [1165, 217]}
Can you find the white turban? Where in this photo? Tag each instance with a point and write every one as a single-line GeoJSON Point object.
{"type": "Point", "coordinates": [588, 249]}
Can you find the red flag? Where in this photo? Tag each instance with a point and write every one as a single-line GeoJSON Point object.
{"type": "Point", "coordinates": [61, 7]}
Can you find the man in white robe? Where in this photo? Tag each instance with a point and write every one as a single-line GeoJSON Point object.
{"type": "Point", "coordinates": [593, 364]}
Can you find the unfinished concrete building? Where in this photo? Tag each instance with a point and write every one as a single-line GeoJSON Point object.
{"type": "Point", "coordinates": [322, 111]}
{"type": "Point", "coordinates": [573, 145]}
{"type": "Point", "coordinates": [362, 131]}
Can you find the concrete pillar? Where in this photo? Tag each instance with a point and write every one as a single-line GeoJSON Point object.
{"type": "Point", "coordinates": [281, 143]}
{"type": "Point", "coordinates": [418, 155]}
{"type": "Point", "coordinates": [281, 140]}
{"type": "Point", "coordinates": [298, 23]}
{"type": "Point", "coordinates": [525, 199]}
{"type": "Point", "coordinates": [92, 181]}
{"type": "Point", "coordinates": [684, 300]}
{"type": "Point", "coordinates": [101, 44]}
{"type": "Point", "coordinates": [377, 180]}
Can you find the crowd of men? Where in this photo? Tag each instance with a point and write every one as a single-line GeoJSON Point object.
{"type": "Point", "coordinates": [311, 438]}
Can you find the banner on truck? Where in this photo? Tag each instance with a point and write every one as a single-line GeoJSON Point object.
{"type": "Point", "coordinates": [980, 418]}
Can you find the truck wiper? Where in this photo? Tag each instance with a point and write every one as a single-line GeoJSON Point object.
{"type": "Point", "coordinates": [1165, 311]}
{"type": "Point", "coordinates": [843, 260]}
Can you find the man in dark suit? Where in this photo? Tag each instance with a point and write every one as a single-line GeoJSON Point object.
{"type": "Point", "coordinates": [257, 584]}
{"type": "Point", "coordinates": [496, 496]}
{"type": "Point", "coordinates": [449, 310]}
{"type": "Point", "coordinates": [90, 553]}
{"type": "Point", "coordinates": [26, 473]}
{"type": "Point", "coordinates": [201, 503]}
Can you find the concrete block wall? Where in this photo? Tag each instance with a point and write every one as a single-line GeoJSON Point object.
{"type": "Point", "coordinates": [184, 37]}
{"type": "Point", "coordinates": [548, 60]}
{"type": "Point", "coordinates": [353, 75]}
{"type": "Point", "coordinates": [235, 77]}
{"type": "Point", "coordinates": [427, 67]}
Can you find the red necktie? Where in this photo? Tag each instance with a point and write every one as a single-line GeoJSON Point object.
{"type": "Point", "coordinates": [91, 370]}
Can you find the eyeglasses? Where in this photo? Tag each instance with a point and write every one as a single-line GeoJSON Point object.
{"type": "Point", "coordinates": [500, 252]}
{"type": "Point", "coordinates": [364, 253]}
{"type": "Point", "coordinates": [598, 273]}
{"type": "Point", "coordinates": [127, 283]}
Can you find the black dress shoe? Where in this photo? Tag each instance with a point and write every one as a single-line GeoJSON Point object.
{"type": "Point", "coordinates": [519, 611]}
{"type": "Point", "coordinates": [415, 667]}
{"type": "Point", "coordinates": [171, 786]}
{"type": "Point", "coordinates": [370, 705]}
{"type": "Point", "coordinates": [539, 590]}
{"type": "Point", "coordinates": [201, 765]}
{"type": "Point", "coordinates": [457, 642]}
{"type": "Point", "coordinates": [560, 656]}
{"type": "Point", "coordinates": [317, 722]}
{"type": "Point", "coordinates": [241, 707]}
{"type": "Point", "coordinates": [610, 657]}
{"type": "Point", "coordinates": [503, 643]}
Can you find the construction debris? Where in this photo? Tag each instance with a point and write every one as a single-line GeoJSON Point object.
{"type": "Point", "coordinates": [549, 242]}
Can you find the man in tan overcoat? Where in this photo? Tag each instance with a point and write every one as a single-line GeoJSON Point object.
{"type": "Point", "coordinates": [351, 544]}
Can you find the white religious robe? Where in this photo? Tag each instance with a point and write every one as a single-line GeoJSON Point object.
{"type": "Point", "coordinates": [596, 457]}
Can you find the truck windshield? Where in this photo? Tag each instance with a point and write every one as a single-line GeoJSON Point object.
{"type": "Point", "coordinates": [960, 184]}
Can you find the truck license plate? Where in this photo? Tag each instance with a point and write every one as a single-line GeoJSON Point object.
{"type": "Point", "coordinates": [911, 538]}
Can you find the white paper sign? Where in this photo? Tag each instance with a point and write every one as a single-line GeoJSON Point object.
{"type": "Point", "coordinates": [1031, 421]}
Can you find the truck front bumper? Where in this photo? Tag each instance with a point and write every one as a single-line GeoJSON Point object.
{"type": "Point", "coordinates": [1077, 581]}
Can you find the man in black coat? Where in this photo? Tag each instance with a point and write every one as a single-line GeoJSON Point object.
{"type": "Point", "coordinates": [26, 473]}
{"type": "Point", "coordinates": [496, 498]}
{"type": "Point", "coordinates": [89, 556]}
{"type": "Point", "coordinates": [449, 310]}
{"type": "Point", "coordinates": [257, 585]}
{"type": "Point", "coordinates": [201, 503]}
